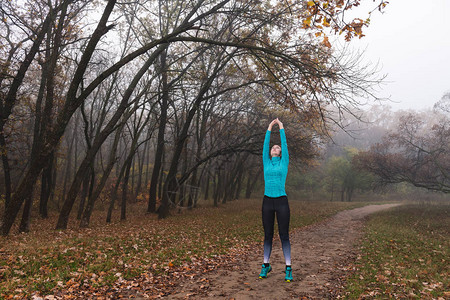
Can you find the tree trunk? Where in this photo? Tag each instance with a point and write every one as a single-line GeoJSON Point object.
{"type": "Point", "coordinates": [248, 192]}
{"type": "Point", "coordinates": [183, 190]}
{"type": "Point", "coordinates": [239, 182]}
{"type": "Point", "coordinates": [191, 195]}
{"type": "Point", "coordinates": [132, 174]}
{"type": "Point", "coordinates": [141, 161]}
{"type": "Point", "coordinates": [69, 160]}
{"type": "Point", "coordinates": [161, 178]}
{"type": "Point", "coordinates": [332, 191]}
{"type": "Point", "coordinates": [111, 206]}
{"type": "Point", "coordinates": [87, 194]}
{"type": "Point", "coordinates": [94, 196]}
{"type": "Point", "coordinates": [90, 206]}
{"type": "Point", "coordinates": [201, 133]}
{"type": "Point", "coordinates": [161, 132]}
{"type": "Point", "coordinates": [53, 184]}
{"type": "Point", "coordinates": [218, 184]}
{"type": "Point", "coordinates": [207, 184]}
{"type": "Point", "coordinates": [6, 169]}
{"type": "Point", "coordinates": [84, 195]}
{"type": "Point", "coordinates": [113, 200]}
{"type": "Point", "coordinates": [349, 194]}
{"type": "Point", "coordinates": [123, 210]}
{"type": "Point", "coordinates": [226, 186]}
{"type": "Point", "coordinates": [46, 188]}
{"type": "Point", "coordinates": [252, 180]}
{"type": "Point", "coordinates": [23, 191]}
{"type": "Point", "coordinates": [26, 215]}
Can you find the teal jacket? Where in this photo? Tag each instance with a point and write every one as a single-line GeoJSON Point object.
{"type": "Point", "coordinates": [275, 168]}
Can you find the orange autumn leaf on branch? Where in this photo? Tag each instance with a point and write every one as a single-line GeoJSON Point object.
{"type": "Point", "coordinates": [307, 22]}
{"type": "Point", "coordinates": [321, 14]}
{"type": "Point", "coordinates": [326, 42]}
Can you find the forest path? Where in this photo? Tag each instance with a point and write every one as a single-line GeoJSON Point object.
{"type": "Point", "coordinates": [321, 255]}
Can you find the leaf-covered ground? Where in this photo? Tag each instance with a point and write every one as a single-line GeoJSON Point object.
{"type": "Point", "coordinates": [405, 255]}
{"type": "Point", "coordinates": [141, 253]}
{"type": "Point", "coordinates": [322, 255]}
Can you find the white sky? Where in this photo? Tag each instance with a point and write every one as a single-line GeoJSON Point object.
{"type": "Point", "coordinates": [411, 43]}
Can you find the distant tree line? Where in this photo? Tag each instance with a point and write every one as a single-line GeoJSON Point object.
{"type": "Point", "coordinates": [417, 151]}
{"type": "Point", "coordinates": [384, 153]}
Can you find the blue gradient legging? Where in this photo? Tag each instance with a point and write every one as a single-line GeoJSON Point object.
{"type": "Point", "coordinates": [280, 207]}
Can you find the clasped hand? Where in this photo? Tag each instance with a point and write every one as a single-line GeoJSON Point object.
{"type": "Point", "coordinates": [275, 121]}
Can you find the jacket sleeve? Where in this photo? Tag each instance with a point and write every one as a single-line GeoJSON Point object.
{"type": "Point", "coordinates": [284, 149]}
{"type": "Point", "coordinates": [266, 153]}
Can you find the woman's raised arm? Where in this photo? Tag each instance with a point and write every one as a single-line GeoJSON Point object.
{"type": "Point", "coordinates": [284, 147]}
{"type": "Point", "coordinates": [266, 151]}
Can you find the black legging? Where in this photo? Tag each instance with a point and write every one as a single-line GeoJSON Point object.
{"type": "Point", "coordinates": [280, 206]}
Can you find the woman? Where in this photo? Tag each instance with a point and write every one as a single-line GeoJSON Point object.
{"type": "Point", "coordinates": [275, 199]}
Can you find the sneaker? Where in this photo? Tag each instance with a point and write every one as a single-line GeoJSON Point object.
{"type": "Point", "coordinates": [264, 271]}
{"type": "Point", "coordinates": [288, 277]}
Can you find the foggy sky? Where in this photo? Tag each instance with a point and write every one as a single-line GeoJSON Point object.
{"type": "Point", "coordinates": [411, 44]}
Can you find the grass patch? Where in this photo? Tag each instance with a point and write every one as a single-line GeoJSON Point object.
{"type": "Point", "coordinates": [404, 255]}
{"type": "Point", "coordinates": [46, 261]}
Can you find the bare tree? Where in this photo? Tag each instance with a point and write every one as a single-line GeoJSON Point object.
{"type": "Point", "coordinates": [417, 152]}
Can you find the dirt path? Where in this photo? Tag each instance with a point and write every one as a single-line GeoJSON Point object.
{"type": "Point", "coordinates": [321, 255]}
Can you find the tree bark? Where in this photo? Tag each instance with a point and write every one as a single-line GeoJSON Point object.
{"type": "Point", "coordinates": [24, 190]}
{"type": "Point", "coordinates": [151, 208]}
{"type": "Point", "coordinates": [161, 178]}
{"type": "Point", "coordinates": [207, 184]}
{"type": "Point", "coordinates": [217, 184]}
{"type": "Point", "coordinates": [84, 194]}
{"type": "Point", "coordinates": [123, 206]}
{"type": "Point", "coordinates": [112, 160]}
{"type": "Point", "coordinates": [46, 188]}
{"type": "Point", "coordinates": [6, 169]}
{"type": "Point", "coordinates": [141, 161]}
{"type": "Point", "coordinates": [26, 215]}
{"type": "Point", "coordinates": [132, 174]}
{"type": "Point", "coordinates": [251, 182]}
{"type": "Point", "coordinates": [239, 181]}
